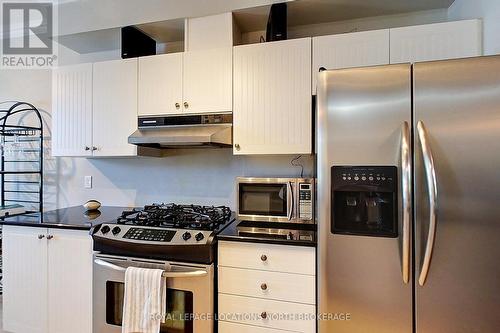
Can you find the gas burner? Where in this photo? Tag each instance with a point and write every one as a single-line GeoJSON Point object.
{"type": "Point", "coordinates": [178, 216]}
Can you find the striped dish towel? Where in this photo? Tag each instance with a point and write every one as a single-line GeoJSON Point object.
{"type": "Point", "coordinates": [145, 303]}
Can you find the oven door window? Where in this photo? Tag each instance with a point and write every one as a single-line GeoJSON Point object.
{"type": "Point", "coordinates": [179, 308]}
{"type": "Point", "coordinates": [263, 199]}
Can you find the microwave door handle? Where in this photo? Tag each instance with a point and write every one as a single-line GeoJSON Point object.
{"type": "Point", "coordinates": [430, 174]}
{"type": "Point", "coordinates": [188, 273]}
{"type": "Point", "coordinates": [406, 196]}
{"type": "Point", "coordinates": [289, 198]}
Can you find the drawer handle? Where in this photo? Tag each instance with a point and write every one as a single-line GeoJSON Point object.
{"type": "Point", "coordinates": [263, 286]}
{"type": "Point", "coordinates": [41, 236]}
{"type": "Point", "coordinates": [263, 257]}
{"type": "Point", "coordinates": [263, 315]}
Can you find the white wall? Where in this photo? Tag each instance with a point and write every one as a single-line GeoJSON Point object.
{"type": "Point", "coordinates": [489, 11]}
{"type": "Point", "coordinates": [362, 24]}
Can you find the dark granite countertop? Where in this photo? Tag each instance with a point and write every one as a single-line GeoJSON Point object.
{"type": "Point", "coordinates": [66, 218]}
{"type": "Point", "coordinates": [231, 233]}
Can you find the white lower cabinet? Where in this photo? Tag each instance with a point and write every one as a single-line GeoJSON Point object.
{"type": "Point", "coordinates": [47, 280]}
{"type": "Point", "coordinates": [270, 289]}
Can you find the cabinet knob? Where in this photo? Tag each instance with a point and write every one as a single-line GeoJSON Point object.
{"type": "Point", "coordinates": [263, 315]}
{"type": "Point", "coordinates": [186, 105]}
{"type": "Point", "coordinates": [177, 105]}
{"type": "Point", "coordinates": [237, 146]}
{"type": "Point", "coordinates": [94, 148]}
{"type": "Point", "coordinates": [41, 236]}
{"type": "Point", "coordinates": [263, 286]}
{"type": "Point", "coordinates": [50, 236]}
{"type": "Point", "coordinates": [263, 257]}
{"type": "Point", "coordinates": [87, 148]}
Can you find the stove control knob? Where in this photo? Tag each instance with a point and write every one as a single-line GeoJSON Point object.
{"type": "Point", "coordinates": [186, 236]}
{"type": "Point", "coordinates": [199, 236]}
{"type": "Point", "coordinates": [105, 229]}
{"type": "Point", "coordinates": [116, 230]}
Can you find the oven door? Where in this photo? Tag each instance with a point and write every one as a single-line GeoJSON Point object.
{"type": "Point", "coordinates": [266, 199]}
{"type": "Point", "coordinates": [190, 294]}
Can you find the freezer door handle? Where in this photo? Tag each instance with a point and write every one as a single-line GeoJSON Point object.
{"type": "Point", "coordinates": [430, 174]}
{"type": "Point", "coordinates": [406, 198]}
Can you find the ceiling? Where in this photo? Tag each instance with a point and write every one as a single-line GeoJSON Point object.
{"type": "Point", "coordinates": [300, 12]}
{"type": "Point", "coordinates": [304, 12]}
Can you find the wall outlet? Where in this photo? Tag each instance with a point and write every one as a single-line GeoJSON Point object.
{"type": "Point", "coordinates": [87, 183]}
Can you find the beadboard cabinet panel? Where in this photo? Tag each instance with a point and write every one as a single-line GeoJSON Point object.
{"type": "Point", "coordinates": [272, 98]}
{"type": "Point", "coordinates": [439, 41]}
{"type": "Point", "coordinates": [160, 84]}
{"type": "Point", "coordinates": [47, 277]}
{"type": "Point", "coordinates": [72, 110]}
{"type": "Point", "coordinates": [207, 81]}
{"type": "Point", "coordinates": [70, 282]}
{"type": "Point", "coordinates": [114, 107]}
{"type": "Point", "coordinates": [24, 279]}
{"type": "Point", "coordinates": [357, 49]}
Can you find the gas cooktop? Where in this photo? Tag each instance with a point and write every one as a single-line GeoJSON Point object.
{"type": "Point", "coordinates": [178, 216]}
{"type": "Point", "coordinates": [164, 231]}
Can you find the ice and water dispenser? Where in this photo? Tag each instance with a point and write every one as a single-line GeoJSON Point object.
{"type": "Point", "coordinates": [364, 200]}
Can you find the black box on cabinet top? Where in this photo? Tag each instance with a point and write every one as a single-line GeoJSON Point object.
{"type": "Point", "coordinates": [277, 23]}
{"type": "Point", "coordinates": [136, 43]}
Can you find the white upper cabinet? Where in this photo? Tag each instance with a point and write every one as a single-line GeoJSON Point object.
{"type": "Point", "coordinates": [357, 49]}
{"type": "Point", "coordinates": [272, 98]}
{"type": "Point", "coordinates": [208, 80]}
{"type": "Point", "coordinates": [72, 110]}
{"type": "Point", "coordinates": [160, 84]}
{"type": "Point", "coordinates": [114, 107]}
{"type": "Point", "coordinates": [458, 39]}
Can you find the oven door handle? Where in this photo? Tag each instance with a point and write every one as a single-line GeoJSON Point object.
{"type": "Point", "coordinates": [188, 273]}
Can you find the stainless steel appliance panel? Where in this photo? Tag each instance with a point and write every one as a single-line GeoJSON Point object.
{"type": "Point", "coordinates": [457, 115]}
{"type": "Point", "coordinates": [289, 200]}
{"type": "Point", "coordinates": [195, 281]}
{"type": "Point", "coordinates": [361, 116]}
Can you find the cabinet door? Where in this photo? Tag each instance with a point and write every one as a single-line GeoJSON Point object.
{"type": "Point", "coordinates": [272, 98]}
{"type": "Point", "coordinates": [70, 281]}
{"type": "Point", "coordinates": [459, 39]}
{"type": "Point", "coordinates": [24, 280]}
{"type": "Point", "coordinates": [115, 107]}
{"type": "Point", "coordinates": [357, 49]}
{"type": "Point", "coordinates": [72, 110]}
{"type": "Point", "coordinates": [208, 79]}
{"type": "Point", "coordinates": [160, 84]}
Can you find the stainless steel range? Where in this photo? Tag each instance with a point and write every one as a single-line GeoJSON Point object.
{"type": "Point", "coordinates": [178, 238]}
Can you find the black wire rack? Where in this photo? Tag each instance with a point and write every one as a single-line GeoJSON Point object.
{"type": "Point", "coordinates": [21, 158]}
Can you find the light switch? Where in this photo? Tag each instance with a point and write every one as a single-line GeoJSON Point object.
{"type": "Point", "coordinates": [88, 182]}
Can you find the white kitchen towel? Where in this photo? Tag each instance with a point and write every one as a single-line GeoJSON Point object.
{"type": "Point", "coordinates": [145, 303]}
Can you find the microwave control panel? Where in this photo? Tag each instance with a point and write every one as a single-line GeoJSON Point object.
{"type": "Point", "coordinates": [305, 201]}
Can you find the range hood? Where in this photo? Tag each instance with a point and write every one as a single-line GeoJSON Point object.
{"type": "Point", "coordinates": [190, 131]}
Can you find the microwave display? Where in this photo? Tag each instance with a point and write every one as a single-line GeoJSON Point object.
{"type": "Point", "coordinates": [263, 199]}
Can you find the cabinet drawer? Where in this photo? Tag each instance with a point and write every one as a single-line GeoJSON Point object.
{"type": "Point", "coordinates": [227, 327]}
{"type": "Point", "coordinates": [267, 313]}
{"type": "Point", "coordinates": [268, 257]}
{"type": "Point", "coordinates": [269, 285]}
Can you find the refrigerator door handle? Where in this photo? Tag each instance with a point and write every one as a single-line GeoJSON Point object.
{"type": "Point", "coordinates": [406, 197]}
{"type": "Point", "coordinates": [430, 174]}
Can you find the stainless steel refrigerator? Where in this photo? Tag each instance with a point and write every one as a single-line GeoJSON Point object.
{"type": "Point", "coordinates": [409, 197]}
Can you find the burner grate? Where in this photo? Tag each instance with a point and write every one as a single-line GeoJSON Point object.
{"type": "Point", "coordinates": [178, 216]}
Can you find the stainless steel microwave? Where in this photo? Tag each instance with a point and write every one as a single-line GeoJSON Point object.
{"type": "Point", "coordinates": [275, 199]}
